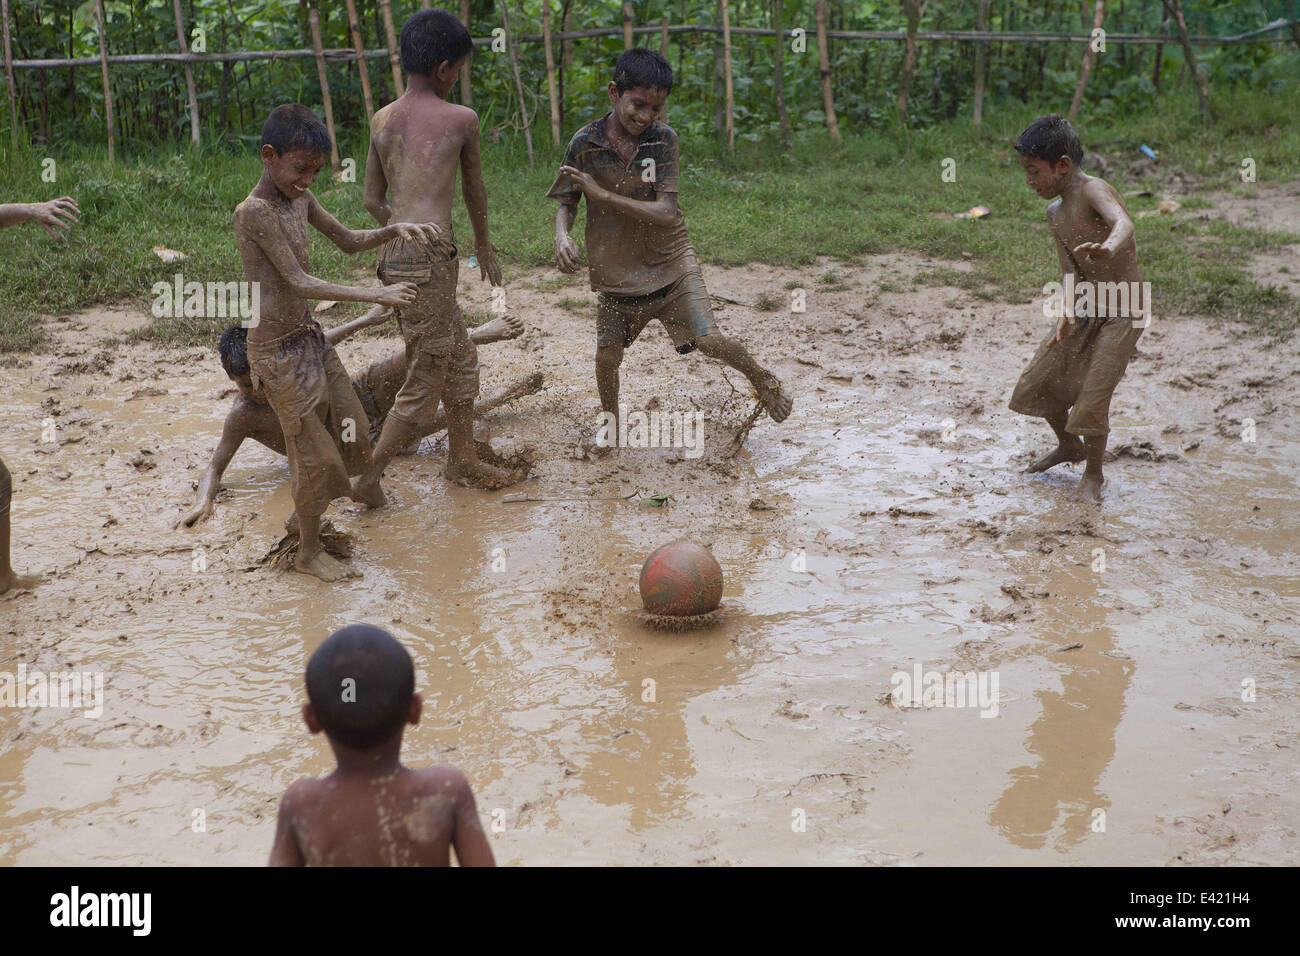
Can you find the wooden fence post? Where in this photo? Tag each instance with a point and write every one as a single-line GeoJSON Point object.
{"type": "Point", "coordinates": [550, 71]}
{"type": "Point", "coordinates": [1175, 8]}
{"type": "Point", "coordinates": [324, 86]}
{"type": "Point", "coordinates": [1089, 54]}
{"type": "Point", "coordinates": [981, 52]}
{"type": "Point", "coordinates": [354, 27]}
{"type": "Point", "coordinates": [394, 55]}
{"type": "Point", "coordinates": [103, 67]}
{"type": "Point", "coordinates": [778, 77]}
{"type": "Point", "coordinates": [189, 73]}
{"type": "Point", "coordinates": [824, 58]}
{"type": "Point", "coordinates": [9, 75]}
{"type": "Point", "coordinates": [726, 66]}
{"type": "Point", "coordinates": [514, 62]}
{"type": "Point", "coordinates": [628, 19]}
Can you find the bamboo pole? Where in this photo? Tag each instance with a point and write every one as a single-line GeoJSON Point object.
{"type": "Point", "coordinates": [1160, 50]}
{"type": "Point", "coordinates": [726, 77]}
{"type": "Point", "coordinates": [189, 74]}
{"type": "Point", "coordinates": [103, 65]}
{"type": "Point", "coordinates": [1175, 8]}
{"type": "Point", "coordinates": [354, 27]}
{"type": "Point", "coordinates": [550, 71]}
{"type": "Point", "coordinates": [9, 75]}
{"type": "Point", "coordinates": [778, 76]}
{"type": "Point", "coordinates": [519, 86]}
{"type": "Point", "coordinates": [824, 58]}
{"type": "Point", "coordinates": [663, 38]}
{"type": "Point", "coordinates": [628, 21]}
{"type": "Point", "coordinates": [466, 87]}
{"type": "Point", "coordinates": [324, 86]}
{"type": "Point", "coordinates": [981, 53]}
{"type": "Point", "coordinates": [394, 55]}
{"type": "Point", "coordinates": [1089, 54]}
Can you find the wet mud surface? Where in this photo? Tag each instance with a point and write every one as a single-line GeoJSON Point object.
{"type": "Point", "coordinates": [884, 526]}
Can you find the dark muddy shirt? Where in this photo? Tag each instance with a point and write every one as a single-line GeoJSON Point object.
{"type": "Point", "coordinates": [628, 256]}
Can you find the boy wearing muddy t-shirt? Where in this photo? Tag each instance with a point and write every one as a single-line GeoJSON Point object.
{"type": "Point", "coordinates": [372, 811]}
{"type": "Point", "coordinates": [1104, 306]}
{"type": "Point", "coordinates": [53, 216]}
{"type": "Point", "coordinates": [642, 263]}
{"type": "Point", "coordinates": [304, 382]}
{"type": "Point", "coordinates": [417, 143]}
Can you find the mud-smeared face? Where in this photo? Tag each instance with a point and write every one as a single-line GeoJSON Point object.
{"type": "Point", "coordinates": [1046, 179]}
{"type": "Point", "coordinates": [245, 385]}
{"type": "Point", "coordinates": [637, 108]}
{"type": "Point", "coordinates": [293, 172]}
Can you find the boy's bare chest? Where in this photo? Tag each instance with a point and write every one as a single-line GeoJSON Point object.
{"type": "Point", "coordinates": [293, 223]}
{"type": "Point", "coordinates": [1076, 223]}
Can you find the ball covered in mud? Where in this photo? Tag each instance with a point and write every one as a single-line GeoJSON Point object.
{"type": "Point", "coordinates": [681, 579]}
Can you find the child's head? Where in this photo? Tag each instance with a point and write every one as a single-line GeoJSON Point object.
{"type": "Point", "coordinates": [295, 145]}
{"type": "Point", "coordinates": [360, 688]}
{"type": "Point", "coordinates": [434, 44]}
{"type": "Point", "coordinates": [642, 81]}
{"type": "Point", "coordinates": [233, 348]}
{"type": "Point", "coordinates": [1050, 151]}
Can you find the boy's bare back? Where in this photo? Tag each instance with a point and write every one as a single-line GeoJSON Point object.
{"type": "Point", "coordinates": [405, 818]}
{"type": "Point", "coordinates": [416, 145]}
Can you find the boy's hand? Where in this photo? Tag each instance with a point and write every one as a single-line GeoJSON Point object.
{"type": "Point", "coordinates": [56, 215]}
{"type": "Point", "coordinates": [396, 295]}
{"type": "Point", "coordinates": [488, 267]}
{"type": "Point", "coordinates": [584, 181]}
{"type": "Point", "coordinates": [377, 315]}
{"type": "Point", "coordinates": [567, 256]}
{"type": "Point", "coordinates": [426, 232]}
{"type": "Point", "coordinates": [1062, 329]}
{"type": "Point", "coordinates": [1093, 250]}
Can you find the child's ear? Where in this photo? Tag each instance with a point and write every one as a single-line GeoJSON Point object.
{"type": "Point", "coordinates": [309, 718]}
{"type": "Point", "coordinates": [613, 92]}
{"type": "Point", "coordinates": [417, 708]}
{"type": "Point", "coordinates": [268, 153]}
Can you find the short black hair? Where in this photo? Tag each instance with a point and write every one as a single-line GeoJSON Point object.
{"type": "Point", "coordinates": [1049, 138]}
{"type": "Point", "coordinates": [360, 683]}
{"type": "Point", "coordinates": [234, 350]}
{"type": "Point", "coordinates": [640, 66]}
{"type": "Point", "coordinates": [291, 127]}
{"type": "Point", "coordinates": [431, 37]}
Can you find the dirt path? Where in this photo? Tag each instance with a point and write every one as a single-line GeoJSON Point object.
{"type": "Point", "coordinates": [883, 527]}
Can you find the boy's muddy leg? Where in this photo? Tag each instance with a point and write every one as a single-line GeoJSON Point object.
{"type": "Point", "coordinates": [1091, 482]}
{"type": "Point", "coordinates": [608, 360]}
{"type": "Point", "coordinates": [498, 330]}
{"type": "Point", "coordinates": [725, 349]}
{"type": "Point", "coordinates": [463, 464]}
{"type": "Point", "coordinates": [9, 580]}
{"type": "Point", "coordinates": [311, 558]}
{"type": "Point", "coordinates": [395, 436]}
{"type": "Point", "coordinates": [1068, 447]}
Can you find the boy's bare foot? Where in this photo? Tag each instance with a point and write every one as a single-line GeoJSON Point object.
{"type": "Point", "coordinates": [321, 565]}
{"type": "Point", "coordinates": [1063, 452]}
{"type": "Point", "coordinates": [775, 399]}
{"type": "Point", "coordinates": [1090, 487]}
{"type": "Point", "coordinates": [19, 582]}
{"type": "Point", "coordinates": [368, 494]}
{"type": "Point", "coordinates": [500, 329]}
{"type": "Point", "coordinates": [479, 474]}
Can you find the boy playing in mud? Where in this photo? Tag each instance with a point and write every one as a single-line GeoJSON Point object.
{"type": "Point", "coordinates": [291, 361]}
{"type": "Point", "coordinates": [416, 145]}
{"type": "Point", "coordinates": [53, 216]}
{"type": "Point", "coordinates": [642, 263]}
{"type": "Point", "coordinates": [1072, 376]}
{"type": "Point", "coordinates": [376, 388]}
{"type": "Point", "coordinates": [372, 811]}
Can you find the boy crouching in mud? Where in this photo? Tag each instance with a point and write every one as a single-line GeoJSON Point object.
{"type": "Point", "coordinates": [53, 216]}
{"type": "Point", "coordinates": [1072, 376]}
{"type": "Point", "coordinates": [372, 811]}
{"type": "Point", "coordinates": [642, 263]}
{"type": "Point", "coordinates": [322, 422]}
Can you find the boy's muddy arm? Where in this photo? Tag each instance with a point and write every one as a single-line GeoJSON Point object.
{"type": "Point", "coordinates": [1105, 202]}
{"type": "Point", "coordinates": [358, 240]}
{"type": "Point", "coordinates": [567, 256]}
{"type": "Point", "coordinates": [1066, 318]}
{"type": "Point", "coordinates": [377, 315]}
{"type": "Point", "coordinates": [468, 839]}
{"type": "Point", "coordinates": [471, 182]}
{"type": "Point", "coordinates": [53, 216]}
{"type": "Point", "coordinates": [261, 226]}
{"type": "Point", "coordinates": [376, 190]}
{"type": "Point", "coordinates": [662, 212]}
{"type": "Point", "coordinates": [232, 436]}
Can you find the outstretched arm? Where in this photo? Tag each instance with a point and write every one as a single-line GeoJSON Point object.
{"type": "Point", "coordinates": [377, 315]}
{"type": "Point", "coordinates": [358, 240]}
{"type": "Point", "coordinates": [471, 182]}
{"type": "Point", "coordinates": [662, 211]}
{"type": "Point", "coordinates": [233, 434]}
{"type": "Point", "coordinates": [53, 216]}
{"type": "Point", "coordinates": [1106, 204]}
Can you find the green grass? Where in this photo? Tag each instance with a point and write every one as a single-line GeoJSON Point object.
{"type": "Point", "coordinates": [874, 194]}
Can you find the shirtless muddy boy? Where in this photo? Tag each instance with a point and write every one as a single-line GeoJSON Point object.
{"type": "Point", "coordinates": [54, 217]}
{"type": "Point", "coordinates": [251, 417]}
{"type": "Point", "coordinates": [642, 263]}
{"type": "Point", "coordinates": [417, 143]}
{"type": "Point", "coordinates": [372, 811]}
{"type": "Point", "coordinates": [304, 382]}
{"type": "Point", "coordinates": [1103, 305]}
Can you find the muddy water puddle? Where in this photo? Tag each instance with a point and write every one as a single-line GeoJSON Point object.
{"type": "Point", "coordinates": [891, 530]}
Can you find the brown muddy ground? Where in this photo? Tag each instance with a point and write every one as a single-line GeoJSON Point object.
{"type": "Point", "coordinates": [897, 480]}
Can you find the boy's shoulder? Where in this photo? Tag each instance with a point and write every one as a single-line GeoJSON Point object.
{"type": "Point", "coordinates": [252, 210]}
{"type": "Point", "coordinates": [441, 780]}
{"type": "Point", "coordinates": [300, 793]}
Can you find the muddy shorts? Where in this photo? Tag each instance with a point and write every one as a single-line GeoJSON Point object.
{"type": "Point", "coordinates": [1078, 374]}
{"type": "Point", "coordinates": [325, 427]}
{"type": "Point", "coordinates": [441, 360]}
{"type": "Point", "coordinates": [682, 307]}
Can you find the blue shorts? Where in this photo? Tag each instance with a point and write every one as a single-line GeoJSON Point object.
{"type": "Point", "coordinates": [682, 307]}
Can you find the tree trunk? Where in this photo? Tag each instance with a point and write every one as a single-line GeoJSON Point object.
{"type": "Point", "coordinates": [1175, 8]}
{"type": "Point", "coordinates": [1089, 55]}
{"type": "Point", "coordinates": [778, 24]}
{"type": "Point", "coordinates": [981, 51]}
{"type": "Point", "coordinates": [913, 10]}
